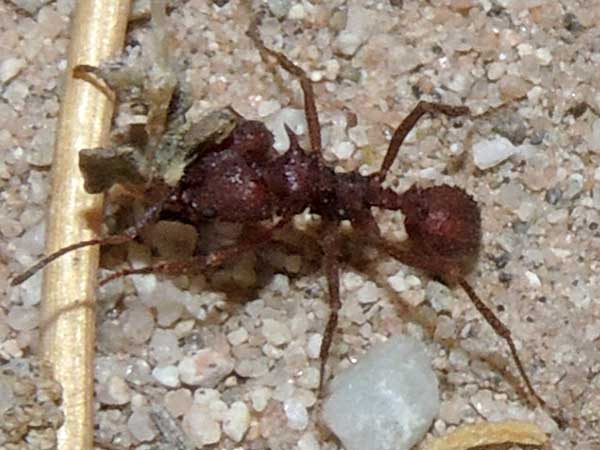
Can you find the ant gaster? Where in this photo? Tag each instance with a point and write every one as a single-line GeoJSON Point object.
{"type": "Point", "coordinates": [243, 180]}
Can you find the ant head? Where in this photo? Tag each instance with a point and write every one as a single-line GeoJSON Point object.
{"type": "Point", "coordinates": [443, 222]}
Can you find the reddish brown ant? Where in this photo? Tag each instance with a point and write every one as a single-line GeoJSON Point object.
{"type": "Point", "coordinates": [243, 180]}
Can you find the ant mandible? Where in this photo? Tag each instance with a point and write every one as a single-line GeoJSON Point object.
{"type": "Point", "coordinates": [243, 180]}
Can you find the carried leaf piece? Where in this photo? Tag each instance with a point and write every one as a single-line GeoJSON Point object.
{"type": "Point", "coordinates": [490, 433]}
{"type": "Point", "coordinates": [104, 167]}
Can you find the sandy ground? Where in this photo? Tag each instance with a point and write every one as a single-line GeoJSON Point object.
{"type": "Point", "coordinates": [528, 71]}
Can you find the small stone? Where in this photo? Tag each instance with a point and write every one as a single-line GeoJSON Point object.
{"type": "Point", "coordinates": [237, 337]}
{"type": "Point", "coordinates": [178, 402]}
{"type": "Point", "coordinates": [164, 347]}
{"type": "Point", "coordinates": [10, 228]}
{"type": "Point", "coordinates": [114, 392]}
{"type": "Point", "coordinates": [167, 376]}
{"type": "Point", "coordinates": [359, 136]}
{"type": "Point", "coordinates": [23, 318]}
{"type": "Point", "coordinates": [268, 107]}
{"type": "Point", "coordinates": [574, 186]}
{"type": "Point", "coordinates": [10, 68]}
{"type": "Point", "coordinates": [279, 8]}
{"type": "Point", "coordinates": [489, 153]}
{"type": "Point", "coordinates": [259, 398]}
{"type": "Point", "coordinates": [31, 6]}
{"type": "Point", "coordinates": [495, 70]}
{"type": "Point", "coordinates": [398, 282]}
{"type": "Point", "coordinates": [533, 279]}
{"type": "Point", "coordinates": [368, 293]}
{"type": "Point", "coordinates": [309, 378]}
{"type": "Point", "coordinates": [296, 414]}
{"type": "Point", "coordinates": [236, 421]}
{"type": "Point", "coordinates": [343, 149]}
{"type": "Point", "coordinates": [308, 441]}
{"type": "Point", "coordinates": [138, 324]}
{"type": "Point", "coordinates": [201, 427]}
{"type": "Point", "coordinates": [275, 332]}
{"type": "Point", "coordinates": [296, 12]}
{"type": "Point", "coordinates": [205, 368]}
{"type": "Point", "coordinates": [348, 42]}
{"type": "Point", "coordinates": [398, 394]}
{"type": "Point", "coordinates": [313, 345]}
{"type": "Point", "coordinates": [544, 56]}
{"type": "Point", "coordinates": [252, 368]}
{"type": "Point", "coordinates": [594, 137]}
{"type": "Point", "coordinates": [141, 426]}
{"type": "Point", "coordinates": [513, 87]}
{"type": "Point", "coordinates": [332, 69]}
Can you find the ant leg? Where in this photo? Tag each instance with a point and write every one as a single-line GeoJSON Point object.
{"type": "Point", "coordinates": [331, 263]}
{"type": "Point", "coordinates": [129, 235]}
{"type": "Point", "coordinates": [409, 123]}
{"type": "Point", "coordinates": [502, 331]}
{"type": "Point", "coordinates": [499, 328]}
{"type": "Point", "coordinates": [310, 107]}
{"type": "Point", "coordinates": [198, 263]}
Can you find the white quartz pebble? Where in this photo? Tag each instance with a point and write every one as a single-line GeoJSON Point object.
{"type": "Point", "coordinates": [489, 153]}
{"type": "Point", "coordinates": [387, 401]}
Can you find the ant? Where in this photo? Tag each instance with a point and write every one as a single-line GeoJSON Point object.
{"type": "Point", "coordinates": [243, 180]}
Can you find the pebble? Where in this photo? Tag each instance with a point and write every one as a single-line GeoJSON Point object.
{"type": "Point", "coordinates": [114, 392]}
{"type": "Point", "coordinates": [544, 56]}
{"type": "Point", "coordinates": [574, 186]}
{"type": "Point", "coordinates": [237, 336]}
{"type": "Point", "coordinates": [205, 368]}
{"type": "Point", "coordinates": [398, 396]}
{"type": "Point", "coordinates": [594, 137]}
{"type": "Point", "coordinates": [164, 347]}
{"type": "Point", "coordinates": [167, 376]}
{"type": "Point", "coordinates": [343, 149]}
{"type": "Point", "coordinates": [313, 345]}
{"type": "Point", "coordinates": [279, 8]}
{"type": "Point", "coordinates": [348, 42]}
{"type": "Point", "coordinates": [490, 153]}
{"type": "Point", "coordinates": [141, 426]}
{"type": "Point", "coordinates": [236, 421]}
{"type": "Point", "coordinates": [268, 107]}
{"type": "Point", "coordinates": [201, 427]}
{"type": "Point", "coordinates": [23, 318]}
{"type": "Point", "coordinates": [252, 368]}
{"type": "Point", "coordinates": [495, 70]}
{"type": "Point", "coordinates": [308, 441]}
{"type": "Point", "coordinates": [138, 324]}
{"type": "Point", "coordinates": [398, 282]}
{"type": "Point", "coordinates": [368, 293]}
{"type": "Point", "coordinates": [259, 398]}
{"type": "Point", "coordinates": [275, 332]}
{"type": "Point", "coordinates": [296, 413]}
{"type": "Point", "coordinates": [10, 68]}
{"type": "Point", "coordinates": [513, 87]}
{"type": "Point", "coordinates": [533, 279]}
{"type": "Point", "coordinates": [178, 402]}
{"type": "Point", "coordinates": [296, 12]}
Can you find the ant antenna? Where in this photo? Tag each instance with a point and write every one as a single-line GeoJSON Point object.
{"type": "Point", "coordinates": [130, 234]}
{"type": "Point", "coordinates": [110, 240]}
